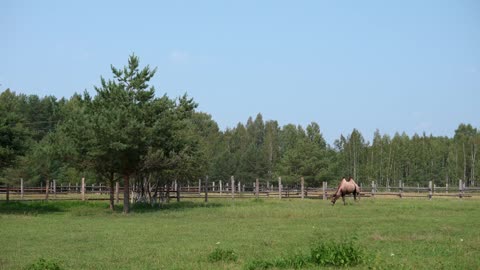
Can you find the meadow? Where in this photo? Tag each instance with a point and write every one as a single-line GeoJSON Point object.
{"type": "Point", "coordinates": [241, 234]}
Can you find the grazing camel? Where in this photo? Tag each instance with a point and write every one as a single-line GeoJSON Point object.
{"type": "Point", "coordinates": [346, 187]}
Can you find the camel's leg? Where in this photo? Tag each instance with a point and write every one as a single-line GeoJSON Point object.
{"type": "Point", "coordinates": [343, 198]}
{"type": "Point", "coordinates": [355, 195]}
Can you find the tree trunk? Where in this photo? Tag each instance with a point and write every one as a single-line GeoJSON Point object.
{"type": "Point", "coordinates": [354, 163]}
{"type": "Point", "coordinates": [112, 195]}
{"type": "Point", "coordinates": [372, 167]}
{"type": "Point", "coordinates": [206, 189]}
{"type": "Point", "coordinates": [456, 163]}
{"type": "Point", "coordinates": [150, 187]}
{"type": "Point", "coordinates": [474, 157]}
{"type": "Point", "coordinates": [464, 164]}
{"type": "Point", "coordinates": [47, 187]}
{"type": "Point", "coordinates": [8, 193]}
{"type": "Point", "coordinates": [381, 161]}
{"type": "Point", "coordinates": [112, 192]}
{"type": "Point", "coordinates": [155, 193]}
{"type": "Point", "coordinates": [390, 163]}
{"type": "Point", "coordinates": [167, 192]}
{"type": "Point", "coordinates": [177, 189]}
{"type": "Point", "coordinates": [126, 194]}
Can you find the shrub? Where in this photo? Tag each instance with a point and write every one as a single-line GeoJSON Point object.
{"type": "Point", "coordinates": [345, 253]}
{"type": "Point", "coordinates": [258, 264]}
{"type": "Point", "coordinates": [219, 254]}
{"type": "Point", "coordinates": [338, 254]}
{"type": "Point", "coordinates": [42, 264]}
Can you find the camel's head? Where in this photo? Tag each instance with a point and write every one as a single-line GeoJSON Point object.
{"type": "Point", "coordinates": [334, 199]}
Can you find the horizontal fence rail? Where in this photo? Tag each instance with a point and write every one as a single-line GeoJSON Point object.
{"type": "Point", "coordinates": [217, 189]}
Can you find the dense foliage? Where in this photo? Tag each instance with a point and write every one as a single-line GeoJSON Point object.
{"type": "Point", "coordinates": [126, 131]}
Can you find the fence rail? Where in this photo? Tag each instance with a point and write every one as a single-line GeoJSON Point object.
{"type": "Point", "coordinates": [234, 190]}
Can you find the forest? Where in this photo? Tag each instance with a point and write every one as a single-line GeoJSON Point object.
{"type": "Point", "coordinates": [128, 133]}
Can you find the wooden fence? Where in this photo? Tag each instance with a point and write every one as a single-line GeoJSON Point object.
{"type": "Point", "coordinates": [233, 190]}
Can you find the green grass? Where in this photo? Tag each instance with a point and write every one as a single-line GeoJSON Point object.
{"type": "Point", "coordinates": [241, 234]}
{"type": "Point", "coordinates": [340, 254]}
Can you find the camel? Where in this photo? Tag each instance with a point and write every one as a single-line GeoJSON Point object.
{"type": "Point", "coordinates": [346, 187]}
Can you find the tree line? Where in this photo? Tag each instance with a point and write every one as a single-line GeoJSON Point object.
{"type": "Point", "coordinates": [126, 133]}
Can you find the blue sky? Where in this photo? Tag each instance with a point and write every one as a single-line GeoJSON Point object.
{"type": "Point", "coordinates": [410, 66]}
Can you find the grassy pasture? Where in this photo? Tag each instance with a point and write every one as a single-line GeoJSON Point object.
{"type": "Point", "coordinates": [395, 234]}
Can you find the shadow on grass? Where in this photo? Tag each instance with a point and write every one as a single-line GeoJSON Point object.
{"type": "Point", "coordinates": [174, 206]}
{"type": "Point", "coordinates": [79, 208]}
{"type": "Point", "coordinates": [47, 207]}
{"type": "Point", "coordinates": [29, 208]}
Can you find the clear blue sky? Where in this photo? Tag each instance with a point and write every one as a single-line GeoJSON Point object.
{"type": "Point", "coordinates": [408, 66]}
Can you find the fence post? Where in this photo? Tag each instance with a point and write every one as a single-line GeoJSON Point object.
{"type": "Point", "coordinates": [373, 188]}
{"type": "Point", "coordinates": [54, 189]}
{"type": "Point", "coordinates": [117, 191]}
{"type": "Point", "coordinates": [302, 183]}
{"type": "Point", "coordinates": [206, 188]}
{"type": "Point", "coordinates": [21, 188]}
{"type": "Point", "coordinates": [430, 193]}
{"type": "Point", "coordinates": [220, 183]}
{"type": "Point", "coordinates": [400, 189]}
{"type": "Point", "coordinates": [233, 187]}
{"type": "Point", "coordinates": [280, 187]}
{"type": "Point", "coordinates": [213, 186]}
{"type": "Point", "coordinates": [83, 189]}
{"type": "Point", "coordinates": [239, 189]}
{"type": "Point", "coordinates": [199, 187]}
{"type": "Point", "coordinates": [257, 189]}
{"type": "Point", "coordinates": [324, 190]}
{"type": "Point", "coordinates": [47, 187]}
{"type": "Point", "coordinates": [446, 188]}
{"type": "Point", "coordinates": [460, 189]}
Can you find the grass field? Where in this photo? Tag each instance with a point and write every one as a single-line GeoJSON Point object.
{"type": "Point", "coordinates": [394, 234]}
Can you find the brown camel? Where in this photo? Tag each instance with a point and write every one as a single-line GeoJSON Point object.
{"type": "Point", "coordinates": [346, 187]}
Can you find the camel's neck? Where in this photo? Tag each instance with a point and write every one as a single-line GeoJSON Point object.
{"type": "Point", "coordinates": [339, 189]}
